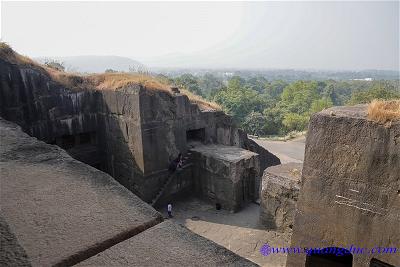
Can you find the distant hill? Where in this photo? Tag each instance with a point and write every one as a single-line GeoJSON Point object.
{"type": "Point", "coordinates": [96, 64]}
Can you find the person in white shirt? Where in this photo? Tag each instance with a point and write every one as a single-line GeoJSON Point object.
{"type": "Point", "coordinates": [169, 209]}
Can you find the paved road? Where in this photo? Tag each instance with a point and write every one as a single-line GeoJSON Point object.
{"type": "Point", "coordinates": [286, 151]}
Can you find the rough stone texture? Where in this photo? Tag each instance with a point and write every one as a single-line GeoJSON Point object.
{"type": "Point", "coordinates": [180, 187]}
{"type": "Point", "coordinates": [11, 253]}
{"type": "Point", "coordinates": [265, 157]}
{"type": "Point", "coordinates": [60, 210]}
{"type": "Point", "coordinates": [47, 110]}
{"type": "Point", "coordinates": [166, 244]}
{"type": "Point", "coordinates": [279, 194]}
{"type": "Point", "coordinates": [135, 132]}
{"type": "Point", "coordinates": [350, 186]}
{"type": "Point", "coordinates": [225, 174]}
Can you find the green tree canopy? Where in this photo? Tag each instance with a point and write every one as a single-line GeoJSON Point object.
{"type": "Point", "coordinates": [239, 100]}
{"type": "Point", "coordinates": [210, 85]}
{"type": "Point", "coordinates": [189, 82]}
{"type": "Point", "coordinates": [255, 123]}
{"type": "Point", "coordinates": [298, 96]}
{"type": "Point", "coordinates": [295, 122]}
{"type": "Point", "coordinates": [321, 104]}
{"type": "Point", "coordinates": [380, 90]}
{"type": "Point", "coordinates": [275, 88]}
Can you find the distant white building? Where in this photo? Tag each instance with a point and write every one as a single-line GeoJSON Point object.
{"type": "Point", "coordinates": [365, 79]}
{"type": "Point", "coordinates": [228, 74]}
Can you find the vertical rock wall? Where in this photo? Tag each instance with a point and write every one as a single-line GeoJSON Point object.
{"type": "Point", "coordinates": [225, 175]}
{"type": "Point", "coordinates": [138, 131]}
{"type": "Point", "coordinates": [350, 186]}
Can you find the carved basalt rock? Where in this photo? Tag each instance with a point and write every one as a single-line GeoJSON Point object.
{"type": "Point", "coordinates": [350, 184]}
{"type": "Point", "coordinates": [279, 195]}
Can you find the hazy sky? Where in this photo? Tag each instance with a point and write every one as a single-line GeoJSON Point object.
{"type": "Point", "coordinates": [306, 35]}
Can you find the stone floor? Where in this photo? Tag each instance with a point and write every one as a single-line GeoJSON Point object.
{"type": "Point", "coordinates": [239, 232]}
{"type": "Point", "coordinates": [57, 211]}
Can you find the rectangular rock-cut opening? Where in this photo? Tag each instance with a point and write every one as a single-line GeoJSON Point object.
{"type": "Point", "coordinates": [86, 138]}
{"type": "Point", "coordinates": [196, 135]}
{"type": "Point", "coordinates": [248, 185]}
{"type": "Point", "coordinates": [66, 141]}
{"type": "Point", "coordinates": [72, 140]}
{"type": "Point", "coordinates": [83, 147]}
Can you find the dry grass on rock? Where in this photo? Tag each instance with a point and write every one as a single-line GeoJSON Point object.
{"type": "Point", "coordinates": [103, 81]}
{"type": "Point", "coordinates": [200, 101]}
{"type": "Point", "coordinates": [8, 54]}
{"type": "Point", "coordinates": [112, 81]}
{"type": "Point", "coordinates": [384, 111]}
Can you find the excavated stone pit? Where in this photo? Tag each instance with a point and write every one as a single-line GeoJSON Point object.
{"type": "Point", "coordinates": [132, 133]}
{"type": "Point", "coordinates": [57, 210]}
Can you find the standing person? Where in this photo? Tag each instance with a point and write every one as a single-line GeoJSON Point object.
{"type": "Point", "coordinates": [169, 209]}
{"type": "Point", "coordinates": [176, 163]}
{"type": "Point", "coordinates": [180, 161]}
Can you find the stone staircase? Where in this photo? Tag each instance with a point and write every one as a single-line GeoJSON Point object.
{"type": "Point", "coordinates": [161, 191]}
{"type": "Point", "coordinates": [187, 163]}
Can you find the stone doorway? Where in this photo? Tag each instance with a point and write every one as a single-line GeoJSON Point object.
{"type": "Point", "coordinates": [196, 135]}
{"type": "Point", "coordinates": [248, 186]}
{"type": "Point", "coordinates": [83, 147]}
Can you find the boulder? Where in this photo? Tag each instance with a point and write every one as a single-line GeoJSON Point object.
{"type": "Point", "coordinates": [279, 194]}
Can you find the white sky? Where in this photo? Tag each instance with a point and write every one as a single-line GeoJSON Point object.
{"type": "Point", "coordinates": [316, 35]}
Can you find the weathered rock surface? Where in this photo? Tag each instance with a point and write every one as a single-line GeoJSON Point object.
{"type": "Point", "coordinates": [131, 133]}
{"type": "Point", "coordinates": [279, 195]}
{"type": "Point", "coordinates": [166, 244]}
{"type": "Point", "coordinates": [225, 175]}
{"type": "Point", "coordinates": [59, 209]}
{"type": "Point", "coordinates": [350, 186]}
{"type": "Point", "coordinates": [11, 253]}
{"type": "Point", "coordinates": [265, 157]}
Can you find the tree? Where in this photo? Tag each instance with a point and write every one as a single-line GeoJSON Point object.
{"type": "Point", "coordinates": [275, 88]}
{"type": "Point", "coordinates": [54, 64]}
{"type": "Point", "coordinates": [330, 92]}
{"type": "Point", "coordinates": [254, 123]}
{"type": "Point", "coordinates": [321, 104]}
{"type": "Point", "coordinates": [239, 100]}
{"type": "Point", "coordinates": [380, 90]}
{"type": "Point", "coordinates": [236, 82]}
{"type": "Point", "coordinates": [273, 121]}
{"type": "Point", "coordinates": [189, 82]}
{"type": "Point", "coordinates": [257, 84]}
{"type": "Point", "coordinates": [295, 122]}
{"type": "Point", "coordinates": [210, 85]}
{"type": "Point", "coordinates": [298, 96]}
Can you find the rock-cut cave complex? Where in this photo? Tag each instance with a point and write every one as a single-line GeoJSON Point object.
{"type": "Point", "coordinates": [83, 168]}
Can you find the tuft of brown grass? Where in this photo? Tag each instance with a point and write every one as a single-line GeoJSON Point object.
{"type": "Point", "coordinates": [382, 111]}
{"type": "Point", "coordinates": [72, 81]}
{"type": "Point", "coordinates": [8, 54]}
{"type": "Point", "coordinates": [112, 81]}
{"type": "Point", "coordinates": [200, 101]}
